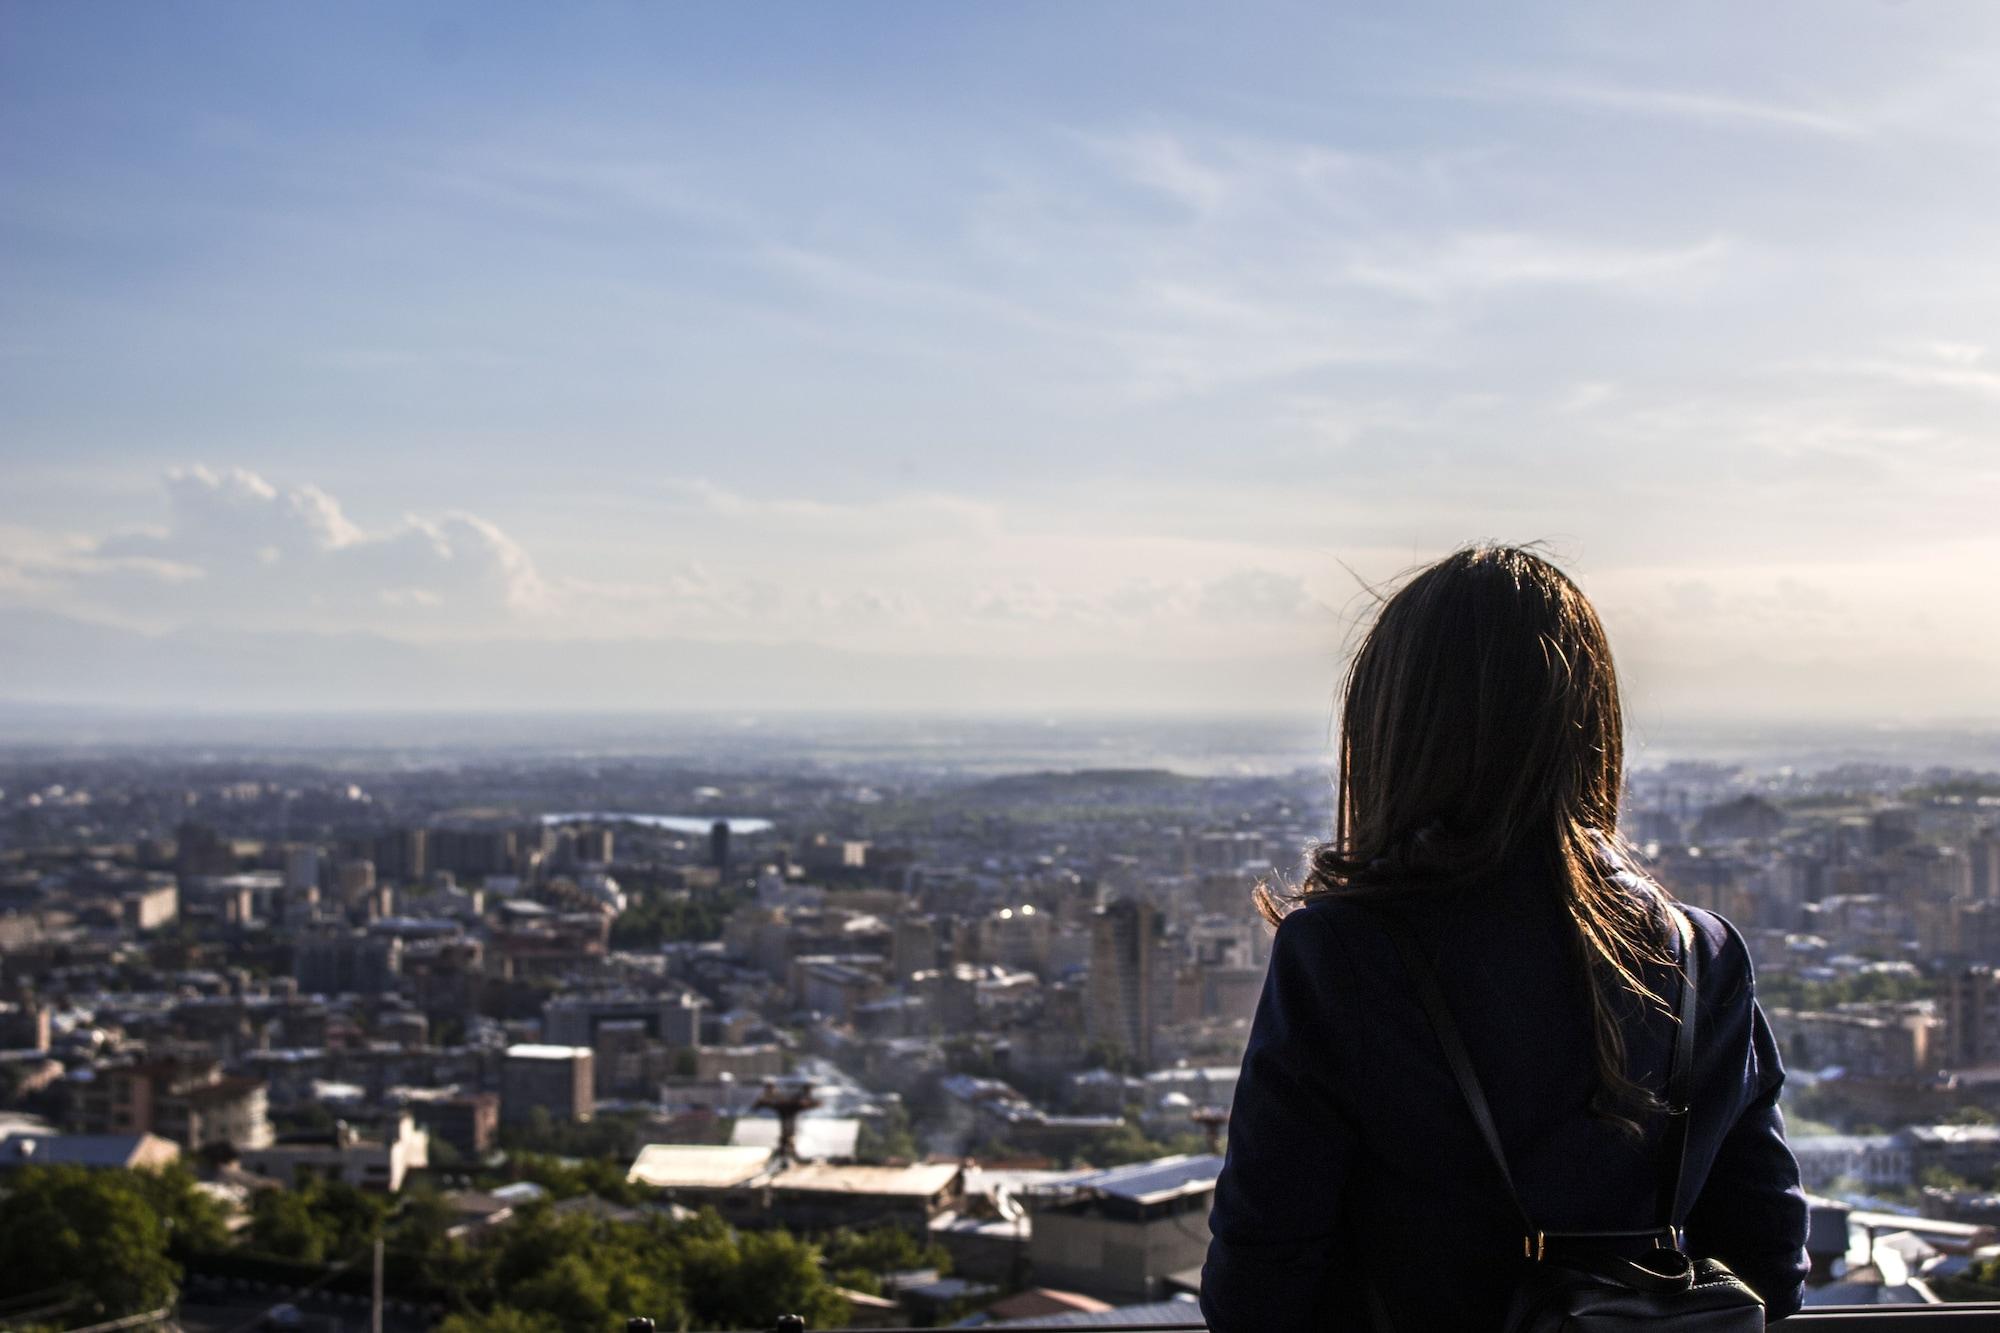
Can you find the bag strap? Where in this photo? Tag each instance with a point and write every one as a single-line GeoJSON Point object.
{"type": "Point", "coordinates": [1680, 1068]}
{"type": "Point", "coordinates": [1455, 1054]}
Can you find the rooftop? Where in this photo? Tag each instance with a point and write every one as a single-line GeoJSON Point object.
{"type": "Point", "coordinates": [697, 1166]}
{"type": "Point", "coordinates": [1154, 1314]}
{"type": "Point", "coordinates": [537, 1051]}
{"type": "Point", "coordinates": [1150, 1182]}
{"type": "Point", "coordinates": [918, 1181]}
{"type": "Point", "coordinates": [105, 1150]}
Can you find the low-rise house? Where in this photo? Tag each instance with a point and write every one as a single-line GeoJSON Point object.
{"type": "Point", "coordinates": [753, 1186]}
{"type": "Point", "coordinates": [1969, 1151]}
{"type": "Point", "coordinates": [1871, 1162]}
{"type": "Point", "coordinates": [469, 1122]}
{"type": "Point", "coordinates": [1118, 1234]}
{"type": "Point", "coordinates": [342, 1155]}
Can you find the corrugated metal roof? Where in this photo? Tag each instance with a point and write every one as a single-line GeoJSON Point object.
{"type": "Point", "coordinates": [1162, 1178]}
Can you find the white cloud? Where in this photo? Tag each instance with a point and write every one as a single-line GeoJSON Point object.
{"type": "Point", "coordinates": [915, 571]}
{"type": "Point", "coordinates": [229, 513]}
{"type": "Point", "coordinates": [238, 549]}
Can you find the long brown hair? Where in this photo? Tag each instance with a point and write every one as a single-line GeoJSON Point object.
{"type": "Point", "coordinates": [1480, 724]}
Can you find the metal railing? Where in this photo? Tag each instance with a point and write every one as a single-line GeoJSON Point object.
{"type": "Point", "coordinates": [1962, 1316]}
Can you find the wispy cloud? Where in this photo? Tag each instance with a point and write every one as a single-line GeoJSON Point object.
{"type": "Point", "coordinates": [1285, 257]}
{"type": "Point", "coordinates": [1715, 109]}
{"type": "Point", "coordinates": [1463, 265]}
{"type": "Point", "coordinates": [915, 343]}
{"type": "Point", "coordinates": [1952, 372]}
{"type": "Point", "coordinates": [892, 518]}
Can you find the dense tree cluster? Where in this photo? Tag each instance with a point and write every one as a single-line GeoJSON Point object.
{"type": "Point", "coordinates": [85, 1245]}
{"type": "Point", "coordinates": [607, 1136]}
{"type": "Point", "coordinates": [100, 1243]}
{"type": "Point", "coordinates": [546, 1272]}
{"type": "Point", "coordinates": [1122, 1146]}
{"type": "Point", "coordinates": [569, 1177]}
{"type": "Point", "coordinates": [657, 917]}
{"type": "Point", "coordinates": [858, 1260]}
{"type": "Point", "coordinates": [318, 1223]}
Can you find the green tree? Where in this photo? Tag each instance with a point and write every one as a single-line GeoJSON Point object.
{"type": "Point", "coordinates": [889, 1141]}
{"type": "Point", "coordinates": [283, 1225]}
{"type": "Point", "coordinates": [95, 1230]}
{"type": "Point", "coordinates": [748, 1280]}
{"type": "Point", "coordinates": [570, 1274]}
{"type": "Point", "coordinates": [610, 1135]}
{"type": "Point", "coordinates": [657, 917]}
{"type": "Point", "coordinates": [604, 1177]}
{"type": "Point", "coordinates": [194, 1221]}
{"type": "Point", "coordinates": [856, 1279]}
{"type": "Point", "coordinates": [349, 1218]}
{"type": "Point", "coordinates": [1129, 1143]}
{"type": "Point", "coordinates": [886, 1249]}
{"type": "Point", "coordinates": [574, 1292]}
{"type": "Point", "coordinates": [423, 1222]}
{"type": "Point", "coordinates": [501, 1319]}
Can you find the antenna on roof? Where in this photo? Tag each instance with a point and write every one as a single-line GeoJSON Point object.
{"type": "Point", "coordinates": [788, 1102]}
{"type": "Point", "coordinates": [1211, 1119]}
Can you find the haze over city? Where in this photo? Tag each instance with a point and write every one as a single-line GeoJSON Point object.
{"type": "Point", "coordinates": [686, 666]}
{"type": "Point", "coordinates": [887, 356]}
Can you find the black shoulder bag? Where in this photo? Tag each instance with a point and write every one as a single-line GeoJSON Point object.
{"type": "Point", "coordinates": [1667, 1291]}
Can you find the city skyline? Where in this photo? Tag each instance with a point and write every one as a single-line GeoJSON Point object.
{"type": "Point", "coordinates": [956, 359]}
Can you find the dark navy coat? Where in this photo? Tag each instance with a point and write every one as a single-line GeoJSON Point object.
{"type": "Point", "coordinates": [1351, 1152]}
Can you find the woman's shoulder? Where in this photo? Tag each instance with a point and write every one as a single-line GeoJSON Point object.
{"type": "Point", "coordinates": [1335, 920]}
{"type": "Point", "coordinates": [1721, 953]}
{"type": "Point", "coordinates": [1713, 931]}
{"type": "Point", "coordinates": [1347, 938]}
{"type": "Point", "coordinates": [1331, 936]}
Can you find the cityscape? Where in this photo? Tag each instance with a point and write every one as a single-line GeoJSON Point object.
{"type": "Point", "coordinates": [668, 667]}
{"type": "Point", "coordinates": [580, 1037]}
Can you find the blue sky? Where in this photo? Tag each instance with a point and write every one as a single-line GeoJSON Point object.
{"type": "Point", "coordinates": [1088, 336]}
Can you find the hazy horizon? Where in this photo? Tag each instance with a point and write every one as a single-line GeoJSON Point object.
{"type": "Point", "coordinates": [991, 742]}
